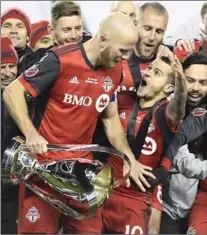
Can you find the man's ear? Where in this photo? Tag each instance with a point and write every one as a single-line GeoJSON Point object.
{"type": "Point", "coordinates": [168, 89]}
{"type": "Point", "coordinates": [103, 41]}
{"type": "Point", "coordinates": [50, 30]}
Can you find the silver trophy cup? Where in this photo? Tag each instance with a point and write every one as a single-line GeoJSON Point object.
{"type": "Point", "coordinates": [85, 181]}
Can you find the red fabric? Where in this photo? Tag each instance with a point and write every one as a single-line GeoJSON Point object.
{"type": "Point", "coordinates": [8, 52]}
{"type": "Point", "coordinates": [72, 109]}
{"type": "Point", "coordinates": [182, 54]}
{"type": "Point", "coordinates": [117, 216]}
{"type": "Point", "coordinates": [38, 30]}
{"type": "Point", "coordinates": [157, 198]}
{"type": "Point", "coordinates": [48, 221]}
{"type": "Point", "coordinates": [203, 185]}
{"type": "Point", "coordinates": [198, 215]}
{"type": "Point", "coordinates": [152, 149]}
{"type": "Point", "coordinates": [16, 13]}
{"type": "Point", "coordinates": [124, 215]}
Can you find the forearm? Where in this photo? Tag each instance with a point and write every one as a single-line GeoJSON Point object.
{"type": "Point", "coordinates": [15, 101]}
{"type": "Point", "coordinates": [176, 106]}
{"type": "Point", "coordinates": [115, 134]}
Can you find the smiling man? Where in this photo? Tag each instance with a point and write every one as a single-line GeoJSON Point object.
{"type": "Point", "coordinates": [9, 195]}
{"type": "Point", "coordinates": [177, 203]}
{"type": "Point", "coordinates": [16, 25]}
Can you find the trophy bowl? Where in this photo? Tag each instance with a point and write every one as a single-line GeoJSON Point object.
{"type": "Point", "coordinates": [85, 181]}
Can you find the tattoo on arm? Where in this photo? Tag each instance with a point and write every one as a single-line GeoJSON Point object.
{"type": "Point", "coordinates": [176, 106]}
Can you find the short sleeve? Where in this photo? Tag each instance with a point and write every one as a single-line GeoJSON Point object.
{"type": "Point", "coordinates": [42, 75]}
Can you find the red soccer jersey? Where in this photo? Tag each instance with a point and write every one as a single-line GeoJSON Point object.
{"type": "Point", "coordinates": [155, 142]}
{"type": "Point", "coordinates": [73, 93]}
{"type": "Point", "coordinates": [199, 46]}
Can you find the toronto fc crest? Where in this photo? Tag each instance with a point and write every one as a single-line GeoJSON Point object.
{"type": "Point", "coordinates": [108, 85]}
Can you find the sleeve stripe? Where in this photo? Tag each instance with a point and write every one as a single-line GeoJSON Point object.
{"type": "Point", "coordinates": [28, 86]}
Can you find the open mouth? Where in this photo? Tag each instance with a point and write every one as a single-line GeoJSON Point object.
{"type": "Point", "coordinates": [143, 82]}
{"type": "Point", "coordinates": [195, 96]}
{"type": "Point", "coordinates": [149, 45]}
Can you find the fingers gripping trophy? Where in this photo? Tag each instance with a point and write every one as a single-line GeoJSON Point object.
{"type": "Point", "coordinates": [86, 181]}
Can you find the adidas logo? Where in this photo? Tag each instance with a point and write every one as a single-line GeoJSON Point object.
{"type": "Point", "coordinates": [122, 115]}
{"type": "Point", "coordinates": [74, 80]}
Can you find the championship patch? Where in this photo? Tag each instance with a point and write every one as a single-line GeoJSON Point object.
{"type": "Point", "coordinates": [198, 112]}
{"type": "Point", "coordinates": [31, 72]}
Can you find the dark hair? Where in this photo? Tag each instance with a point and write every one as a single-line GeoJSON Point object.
{"type": "Point", "coordinates": [159, 8]}
{"type": "Point", "coordinates": [194, 58]}
{"type": "Point", "coordinates": [171, 75]}
{"type": "Point", "coordinates": [64, 8]}
{"type": "Point", "coordinates": [203, 9]}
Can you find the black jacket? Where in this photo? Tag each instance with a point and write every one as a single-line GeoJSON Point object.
{"type": "Point", "coordinates": [192, 131]}
{"type": "Point", "coordinates": [8, 127]}
{"type": "Point", "coordinates": [24, 52]}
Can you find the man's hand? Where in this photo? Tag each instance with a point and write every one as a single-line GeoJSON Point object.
{"type": "Point", "coordinates": [36, 143]}
{"type": "Point", "coordinates": [176, 106]}
{"type": "Point", "coordinates": [165, 51]}
{"type": "Point", "coordinates": [187, 44]}
{"type": "Point", "coordinates": [178, 69]}
{"type": "Point", "coordinates": [138, 173]}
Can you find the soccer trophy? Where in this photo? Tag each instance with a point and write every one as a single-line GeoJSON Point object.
{"type": "Point", "coordinates": [86, 181]}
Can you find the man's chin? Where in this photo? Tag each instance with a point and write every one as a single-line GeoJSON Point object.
{"type": "Point", "coordinates": [147, 55]}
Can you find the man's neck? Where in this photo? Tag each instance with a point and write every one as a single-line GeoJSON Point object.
{"type": "Point", "coordinates": [20, 49]}
{"type": "Point", "coordinates": [149, 103]}
{"type": "Point", "coordinates": [92, 49]}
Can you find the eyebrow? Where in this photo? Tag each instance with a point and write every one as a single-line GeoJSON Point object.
{"type": "Point", "coordinates": [159, 70]}
{"type": "Point", "coordinates": [200, 79]}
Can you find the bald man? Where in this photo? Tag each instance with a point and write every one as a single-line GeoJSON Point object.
{"type": "Point", "coordinates": [70, 97]}
{"type": "Point", "coordinates": [129, 8]}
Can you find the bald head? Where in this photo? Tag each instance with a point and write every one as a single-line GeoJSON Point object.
{"type": "Point", "coordinates": [130, 8]}
{"type": "Point", "coordinates": [118, 27]}
{"type": "Point", "coordinates": [116, 38]}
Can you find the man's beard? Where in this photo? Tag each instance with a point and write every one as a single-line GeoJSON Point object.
{"type": "Point", "coordinates": [143, 54]}
{"type": "Point", "coordinates": [106, 58]}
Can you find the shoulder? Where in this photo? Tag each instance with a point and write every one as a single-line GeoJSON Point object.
{"type": "Point", "coordinates": [65, 49]}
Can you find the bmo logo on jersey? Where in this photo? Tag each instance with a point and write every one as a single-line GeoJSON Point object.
{"type": "Point", "coordinates": [149, 147]}
{"type": "Point", "coordinates": [80, 101]}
